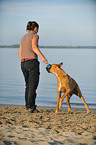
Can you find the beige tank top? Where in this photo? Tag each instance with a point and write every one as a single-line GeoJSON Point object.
{"type": "Point", "coordinates": [26, 45]}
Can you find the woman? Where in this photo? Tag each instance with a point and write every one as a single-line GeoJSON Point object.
{"type": "Point", "coordinates": [28, 53]}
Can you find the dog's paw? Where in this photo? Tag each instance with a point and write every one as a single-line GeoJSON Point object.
{"type": "Point", "coordinates": [68, 112]}
{"type": "Point", "coordinates": [56, 112]}
{"type": "Point", "coordinates": [88, 111]}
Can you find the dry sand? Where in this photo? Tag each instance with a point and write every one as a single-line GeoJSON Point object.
{"type": "Point", "coordinates": [19, 127]}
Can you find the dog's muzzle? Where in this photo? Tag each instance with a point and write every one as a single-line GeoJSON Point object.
{"type": "Point", "coordinates": [48, 68]}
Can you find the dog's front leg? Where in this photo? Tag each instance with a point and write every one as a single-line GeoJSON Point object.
{"type": "Point", "coordinates": [58, 99]}
{"type": "Point", "coordinates": [61, 99]}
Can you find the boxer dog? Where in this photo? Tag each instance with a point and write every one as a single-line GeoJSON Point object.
{"type": "Point", "coordinates": [66, 85]}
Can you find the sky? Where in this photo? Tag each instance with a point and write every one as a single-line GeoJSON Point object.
{"type": "Point", "coordinates": [61, 22]}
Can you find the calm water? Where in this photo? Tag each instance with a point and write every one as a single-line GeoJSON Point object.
{"type": "Point", "coordinates": [78, 63]}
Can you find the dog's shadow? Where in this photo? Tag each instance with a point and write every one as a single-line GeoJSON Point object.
{"type": "Point", "coordinates": [64, 113]}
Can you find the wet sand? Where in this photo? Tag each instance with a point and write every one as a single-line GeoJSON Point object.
{"type": "Point", "coordinates": [19, 127]}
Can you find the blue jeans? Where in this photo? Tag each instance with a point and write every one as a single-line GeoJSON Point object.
{"type": "Point", "coordinates": [30, 69]}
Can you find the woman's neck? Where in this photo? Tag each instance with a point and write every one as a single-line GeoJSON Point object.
{"type": "Point", "coordinates": [32, 31]}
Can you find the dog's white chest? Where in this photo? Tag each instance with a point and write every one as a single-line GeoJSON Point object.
{"type": "Point", "coordinates": [59, 87]}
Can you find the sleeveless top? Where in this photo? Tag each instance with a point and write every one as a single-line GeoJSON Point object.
{"type": "Point", "coordinates": [26, 46]}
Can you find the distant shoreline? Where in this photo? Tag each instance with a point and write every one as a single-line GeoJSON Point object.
{"type": "Point", "coordinates": [64, 47]}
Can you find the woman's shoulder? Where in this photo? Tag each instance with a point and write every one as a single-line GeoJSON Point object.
{"type": "Point", "coordinates": [29, 36]}
{"type": "Point", "coordinates": [24, 36]}
{"type": "Point", "coordinates": [35, 35]}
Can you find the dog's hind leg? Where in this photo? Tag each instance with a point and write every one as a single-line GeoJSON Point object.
{"type": "Point", "coordinates": [79, 94]}
{"type": "Point", "coordinates": [68, 103]}
{"type": "Point", "coordinates": [82, 98]}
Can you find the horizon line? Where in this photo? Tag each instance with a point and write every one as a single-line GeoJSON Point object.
{"type": "Point", "coordinates": [50, 46]}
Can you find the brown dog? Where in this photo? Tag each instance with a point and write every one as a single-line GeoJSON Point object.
{"type": "Point", "coordinates": [65, 84]}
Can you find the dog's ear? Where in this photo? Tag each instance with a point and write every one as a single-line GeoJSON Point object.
{"type": "Point", "coordinates": [60, 64]}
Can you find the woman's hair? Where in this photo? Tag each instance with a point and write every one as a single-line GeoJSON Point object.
{"type": "Point", "coordinates": [31, 25]}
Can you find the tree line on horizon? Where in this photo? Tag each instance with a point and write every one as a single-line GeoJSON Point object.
{"type": "Point", "coordinates": [17, 46]}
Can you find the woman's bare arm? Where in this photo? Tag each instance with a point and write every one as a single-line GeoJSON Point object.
{"type": "Point", "coordinates": [20, 51]}
{"type": "Point", "coordinates": [36, 49]}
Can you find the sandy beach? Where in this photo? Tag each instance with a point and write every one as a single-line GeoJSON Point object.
{"type": "Point", "coordinates": [19, 127]}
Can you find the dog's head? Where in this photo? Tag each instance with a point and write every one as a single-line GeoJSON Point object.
{"type": "Point", "coordinates": [53, 68]}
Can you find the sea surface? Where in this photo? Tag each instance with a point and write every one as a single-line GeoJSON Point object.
{"type": "Point", "coordinates": [80, 64]}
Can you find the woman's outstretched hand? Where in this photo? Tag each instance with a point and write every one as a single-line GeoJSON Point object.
{"type": "Point", "coordinates": [44, 60]}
